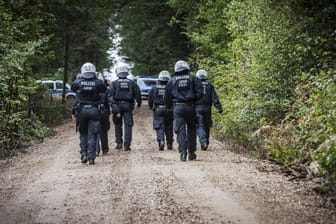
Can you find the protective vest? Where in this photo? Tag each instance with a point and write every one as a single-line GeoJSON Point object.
{"type": "Point", "coordinates": [183, 89]}
{"type": "Point", "coordinates": [88, 91]}
{"type": "Point", "coordinates": [159, 94]}
{"type": "Point", "coordinates": [123, 90]}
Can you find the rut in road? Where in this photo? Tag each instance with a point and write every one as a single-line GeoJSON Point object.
{"type": "Point", "coordinates": [50, 185]}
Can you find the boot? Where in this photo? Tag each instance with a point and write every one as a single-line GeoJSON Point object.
{"type": "Point", "coordinates": [119, 146]}
{"type": "Point", "coordinates": [161, 145]}
{"type": "Point", "coordinates": [204, 147]}
{"type": "Point", "coordinates": [84, 158]}
{"type": "Point", "coordinates": [183, 156]}
{"type": "Point", "coordinates": [169, 146]}
{"type": "Point", "coordinates": [192, 156]}
{"type": "Point", "coordinates": [91, 162]}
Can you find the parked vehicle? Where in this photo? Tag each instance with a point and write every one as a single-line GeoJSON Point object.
{"type": "Point", "coordinates": [145, 83]}
{"type": "Point", "coordinates": [55, 88]}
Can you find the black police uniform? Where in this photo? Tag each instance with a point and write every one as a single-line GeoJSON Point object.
{"type": "Point", "coordinates": [88, 89]}
{"type": "Point", "coordinates": [104, 110]}
{"type": "Point", "coordinates": [203, 112]}
{"type": "Point", "coordinates": [182, 91]}
{"type": "Point", "coordinates": [122, 95]}
{"type": "Point", "coordinates": [162, 117]}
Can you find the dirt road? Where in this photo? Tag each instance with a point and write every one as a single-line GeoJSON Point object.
{"type": "Point", "coordinates": [48, 184]}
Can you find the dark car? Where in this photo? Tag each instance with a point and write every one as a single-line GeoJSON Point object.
{"type": "Point", "coordinates": [146, 83]}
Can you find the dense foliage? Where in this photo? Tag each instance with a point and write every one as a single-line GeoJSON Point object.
{"type": "Point", "coordinates": [273, 63]}
{"type": "Point", "coordinates": [39, 39]}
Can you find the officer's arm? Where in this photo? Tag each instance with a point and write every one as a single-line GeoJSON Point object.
{"type": "Point", "coordinates": [151, 97]}
{"type": "Point", "coordinates": [75, 85]}
{"type": "Point", "coordinates": [168, 95]}
{"type": "Point", "coordinates": [110, 94]}
{"type": "Point", "coordinates": [215, 100]}
{"type": "Point", "coordinates": [198, 88]}
{"type": "Point", "coordinates": [137, 92]}
{"type": "Point", "coordinates": [101, 86]}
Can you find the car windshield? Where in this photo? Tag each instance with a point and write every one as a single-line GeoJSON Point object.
{"type": "Point", "coordinates": [149, 82]}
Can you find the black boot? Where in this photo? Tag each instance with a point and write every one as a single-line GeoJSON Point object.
{"type": "Point", "coordinates": [119, 146]}
{"type": "Point", "coordinates": [161, 145]}
{"type": "Point", "coordinates": [183, 156]}
{"type": "Point", "coordinates": [192, 156]}
{"type": "Point", "coordinates": [127, 148]}
{"type": "Point", "coordinates": [84, 158]}
{"type": "Point", "coordinates": [91, 162]}
{"type": "Point", "coordinates": [204, 147]}
{"type": "Point", "coordinates": [169, 146]}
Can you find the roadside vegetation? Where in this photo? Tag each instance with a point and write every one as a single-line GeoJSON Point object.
{"type": "Point", "coordinates": [272, 62]}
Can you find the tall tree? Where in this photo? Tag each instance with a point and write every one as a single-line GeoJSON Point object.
{"type": "Point", "coordinates": [148, 39]}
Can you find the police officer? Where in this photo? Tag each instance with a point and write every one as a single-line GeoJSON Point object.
{"type": "Point", "coordinates": [88, 88]}
{"type": "Point", "coordinates": [122, 95]}
{"type": "Point", "coordinates": [162, 117]}
{"type": "Point", "coordinates": [104, 110]}
{"type": "Point", "coordinates": [203, 109]}
{"type": "Point", "coordinates": [182, 91]}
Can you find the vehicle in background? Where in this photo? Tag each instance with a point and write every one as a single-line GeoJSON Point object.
{"type": "Point", "coordinates": [145, 84]}
{"type": "Point", "coordinates": [55, 88]}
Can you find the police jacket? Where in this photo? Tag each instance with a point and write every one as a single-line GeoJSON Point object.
{"type": "Point", "coordinates": [183, 88]}
{"type": "Point", "coordinates": [124, 90]}
{"type": "Point", "coordinates": [156, 96]}
{"type": "Point", "coordinates": [88, 89]}
{"type": "Point", "coordinates": [209, 96]}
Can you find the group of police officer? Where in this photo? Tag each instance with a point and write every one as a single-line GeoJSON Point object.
{"type": "Point", "coordinates": [181, 103]}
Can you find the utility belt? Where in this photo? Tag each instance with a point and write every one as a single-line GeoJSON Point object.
{"type": "Point", "coordinates": [123, 101]}
{"type": "Point", "coordinates": [203, 105]}
{"type": "Point", "coordinates": [161, 106]}
{"type": "Point", "coordinates": [87, 106]}
{"type": "Point", "coordinates": [184, 103]}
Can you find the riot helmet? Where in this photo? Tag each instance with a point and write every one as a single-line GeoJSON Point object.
{"type": "Point", "coordinates": [164, 76]}
{"type": "Point", "coordinates": [181, 66]}
{"type": "Point", "coordinates": [88, 70]}
{"type": "Point", "coordinates": [122, 71]}
{"type": "Point", "coordinates": [202, 74]}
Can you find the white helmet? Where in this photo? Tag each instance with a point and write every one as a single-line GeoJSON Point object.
{"type": "Point", "coordinates": [202, 74]}
{"type": "Point", "coordinates": [164, 76]}
{"type": "Point", "coordinates": [88, 68]}
{"type": "Point", "coordinates": [122, 71]}
{"type": "Point", "coordinates": [181, 66]}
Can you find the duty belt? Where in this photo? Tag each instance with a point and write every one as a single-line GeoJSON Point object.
{"type": "Point", "coordinates": [123, 101]}
{"type": "Point", "coordinates": [184, 103]}
{"type": "Point", "coordinates": [89, 106]}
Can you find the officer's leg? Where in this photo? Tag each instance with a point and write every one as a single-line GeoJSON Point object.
{"type": "Point", "coordinates": [117, 120]}
{"type": "Point", "coordinates": [207, 124]}
{"type": "Point", "coordinates": [201, 133]}
{"type": "Point", "coordinates": [180, 130]}
{"type": "Point", "coordinates": [98, 143]}
{"type": "Point", "coordinates": [83, 132]}
{"type": "Point", "coordinates": [169, 129]}
{"type": "Point", "coordinates": [105, 123]}
{"type": "Point", "coordinates": [128, 122]}
{"type": "Point", "coordinates": [191, 126]}
{"type": "Point", "coordinates": [94, 126]}
{"type": "Point", "coordinates": [159, 128]}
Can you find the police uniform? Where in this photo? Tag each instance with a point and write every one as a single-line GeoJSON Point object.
{"type": "Point", "coordinates": [203, 111]}
{"type": "Point", "coordinates": [104, 110]}
{"type": "Point", "coordinates": [88, 88]}
{"type": "Point", "coordinates": [182, 91]}
{"type": "Point", "coordinates": [122, 95]}
{"type": "Point", "coordinates": [162, 117]}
